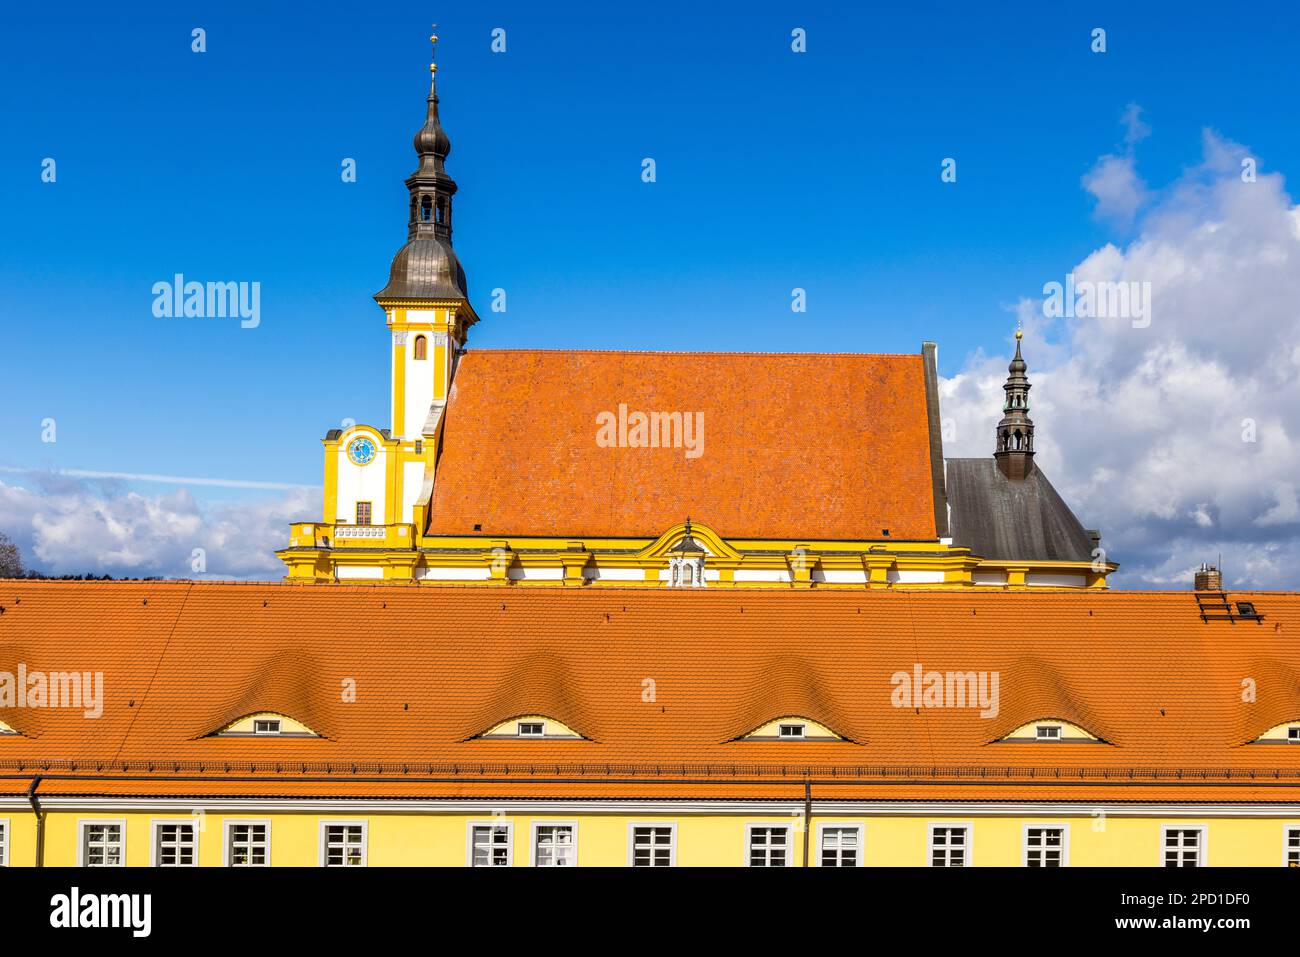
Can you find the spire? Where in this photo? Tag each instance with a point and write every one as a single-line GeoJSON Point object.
{"type": "Point", "coordinates": [426, 268]}
{"type": "Point", "coordinates": [431, 141]}
{"type": "Point", "coordinates": [1015, 435]}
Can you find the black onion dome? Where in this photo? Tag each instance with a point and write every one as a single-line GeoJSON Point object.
{"type": "Point", "coordinates": [431, 138]}
{"type": "Point", "coordinates": [425, 268]}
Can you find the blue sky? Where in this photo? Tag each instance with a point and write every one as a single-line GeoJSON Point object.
{"type": "Point", "coordinates": [775, 170]}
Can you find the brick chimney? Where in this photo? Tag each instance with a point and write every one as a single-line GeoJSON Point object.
{"type": "Point", "coordinates": [1207, 579]}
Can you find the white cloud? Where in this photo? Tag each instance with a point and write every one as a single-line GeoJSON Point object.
{"type": "Point", "coordinates": [70, 525]}
{"type": "Point", "coordinates": [1147, 431]}
{"type": "Point", "coordinates": [1113, 180]}
{"type": "Point", "coordinates": [1119, 191]}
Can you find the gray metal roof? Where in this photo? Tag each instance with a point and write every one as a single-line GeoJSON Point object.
{"type": "Point", "coordinates": [425, 268]}
{"type": "Point", "coordinates": [1001, 519]}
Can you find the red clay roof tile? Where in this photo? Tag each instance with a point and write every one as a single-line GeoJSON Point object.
{"type": "Point", "coordinates": [433, 665]}
{"type": "Point", "coordinates": [814, 446]}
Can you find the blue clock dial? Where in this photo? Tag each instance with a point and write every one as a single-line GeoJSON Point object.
{"type": "Point", "coordinates": [361, 451]}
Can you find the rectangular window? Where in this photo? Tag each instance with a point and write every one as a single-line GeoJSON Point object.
{"type": "Point", "coordinates": [1291, 847]}
{"type": "Point", "coordinates": [948, 846]}
{"type": "Point", "coordinates": [363, 513]}
{"type": "Point", "coordinates": [1044, 847]}
{"type": "Point", "coordinates": [248, 845]}
{"type": "Point", "coordinates": [1293, 734]}
{"type": "Point", "coordinates": [790, 731]}
{"type": "Point", "coordinates": [530, 729]}
{"type": "Point", "coordinates": [1049, 732]}
{"type": "Point", "coordinates": [840, 846]}
{"type": "Point", "coordinates": [101, 845]}
{"type": "Point", "coordinates": [652, 846]}
{"type": "Point", "coordinates": [555, 846]}
{"type": "Point", "coordinates": [175, 845]}
{"type": "Point", "coordinates": [769, 846]}
{"type": "Point", "coordinates": [4, 843]}
{"type": "Point", "coordinates": [1183, 846]}
{"type": "Point", "coordinates": [344, 845]}
{"type": "Point", "coordinates": [266, 726]}
{"type": "Point", "coordinates": [489, 845]}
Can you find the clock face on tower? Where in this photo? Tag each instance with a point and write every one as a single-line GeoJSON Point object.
{"type": "Point", "coordinates": [361, 451]}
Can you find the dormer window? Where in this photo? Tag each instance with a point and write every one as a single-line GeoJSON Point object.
{"type": "Point", "coordinates": [531, 726]}
{"type": "Point", "coordinates": [266, 724]}
{"type": "Point", "coordinates": [1288, 732]}
{"type": "Point", "coordinates": [791, 727]}
{"type": "Point", "coordinates": [686, 562]}
{"type": "Point", "coordinates": [1051, 730]}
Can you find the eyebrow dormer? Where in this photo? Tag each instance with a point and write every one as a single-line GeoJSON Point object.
{"type": "Point", "coordinates": [1288, 732]}
{"type": "Point", "coordinates": [265, 724]}
{"type": "Point", "coordinates": [531, 727]}
{"type": "Point", "coordinates": [1050, 731]}
{"type": "Point", "coordinates": [791, 728]}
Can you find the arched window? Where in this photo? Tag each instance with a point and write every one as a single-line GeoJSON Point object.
{"type": "Point", "coordinates": [426, 208]}
{"type": "Point", "coordinates": [421, 347]}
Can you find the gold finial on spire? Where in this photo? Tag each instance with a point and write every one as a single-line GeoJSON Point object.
{"type": "Point", "coordinates": [1019, 334]}
{"type": "Point", "coordinates": [433, 42]}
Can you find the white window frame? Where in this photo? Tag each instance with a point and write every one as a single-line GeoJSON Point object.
{"type": "Point", "coordinates": [5, 838]}
{"type": "Point", "coordinates": [83, 823]}
{"type": "Point", "coordinates": [323, 843]}
{"type": "Point", "coordinates": [225, 840]}
{"type": "Point", "coordinates": [1286, 836]}
{"type": "Point", "coordinates": [672, 840]}
{"type": "Point", "coordinates": [967, 845]}
{"type": "Point", "coordinates": [1293, 734]}
{"type": "Point", "coordinates": [801, 736]}
{"type": "Point", "coordinates": [840, 825]}
{"type": "Point", "coordinates": [1201, 841]}
{"type": "Point", "coordinates": [509, 827]}
{"type": "Point", "coordinates": [279, 726]}
{"type": "Point", "coordinates": [519, 729]}
{"type": "Point", "coordinates": [532, 844]}
{"type": "Point", "coordinates": [1040, 728]}
{"type": "Point", "coordinates": [1038, 826]}
{"type": "Point", "coordinates": [157, 823]}
{"type": "Point", "coordinates": [789, 842]}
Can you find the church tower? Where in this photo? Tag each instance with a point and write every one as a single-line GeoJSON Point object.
{"type": "Point", "coordinates": [426, 302]}
{"type": "Point", "coordinates": [1015, 436]}
{"type": "Point", "coordinates": [378, 481]}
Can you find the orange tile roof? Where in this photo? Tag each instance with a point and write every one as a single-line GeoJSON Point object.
{"type": "Point", "coordinates": [815, 446]}
{"type": "Point", "coordinates": [434, 666]}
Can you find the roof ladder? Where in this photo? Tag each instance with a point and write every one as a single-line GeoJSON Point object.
{"type": "Point", "coordinates": [1214, 606]}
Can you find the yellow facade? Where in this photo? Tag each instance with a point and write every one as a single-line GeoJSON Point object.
{"type": "Point", "coordinates": [1104, 837]}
